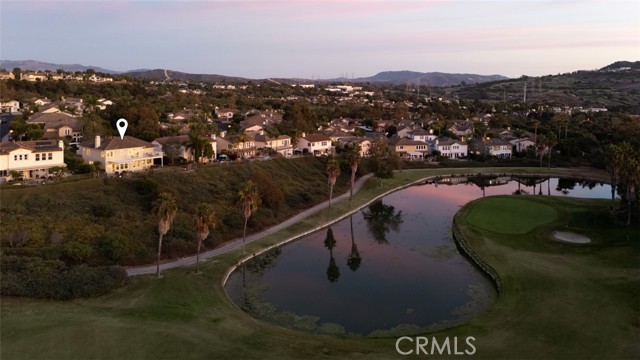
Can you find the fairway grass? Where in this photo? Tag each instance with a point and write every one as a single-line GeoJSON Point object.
{"type": "Point", "coordinates": [558, 300]}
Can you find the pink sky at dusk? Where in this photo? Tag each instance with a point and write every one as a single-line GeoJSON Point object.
{"type": "Point", "coordinates": [325, 39]}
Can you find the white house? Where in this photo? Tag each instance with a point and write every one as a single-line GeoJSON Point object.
{"type": "Point", "coordinates": [451, 148]}
{"type": "Point", "coordinates": [11, 106]}
{"type": "Point", "coordinates": [32, 159]}
{"type": "Point", "coordinates": [118, 155]}
{"type": "Point", "coordinates": [281, 144]}
{"type": "Point", "coordinates": [421, 135]}
{"type": "Point", "coordinates": [316, 144]}
{"type": "Point", "coordinates": [497, 147]}
{"type": "Point", "coordinates": [365, 144]}
{"type": "Point", "coordinates": [522, 144]}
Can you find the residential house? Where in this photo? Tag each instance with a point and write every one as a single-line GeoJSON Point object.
{"type": "Point", "coordinates": [281, 144]}
{"type": "Point", "coordinates": [103, 103]}
{"type": "Point", "coordinates": [421, 135]}
{"type": "Point", "coordinates": [409, 149]}
{"type": "Point", "coordinates": [42, 101]}
{"type": "Point", "coordinates": [175, 147]}
{"type": "Point", "coordinates": [66, 127]}
{"type": "Point", "coordinates": [7, 75]}
{"type": "Point", "coordinates": [497, 147]}
{"type": "Point", "coordinates": [522, 144]}
{"type": "Point", "coordinates": [243, 145]}
{"type": "Point", "coordinates": [33, 76]}
{"type": "Point", "coordinates": [31, 159]}
{"type": "Point", "coordinates": [463, 129]}
{"type": "Point", "coordinates": [365, 144]}
{"type": "Point", "coordinates": [49, 118]}
{"type": "Point", "coordinates": [74, 104]}
{"type": "Point", "coordinates": [451, 148]}
{"type": "Point", "coordinates": [120, 155]}
{"type": "Point", "coordinates": [316, 144]}
{"type": "Point", "coordinates": [225, 114]}
{"type": "Point", "coordinates": [11, 106]}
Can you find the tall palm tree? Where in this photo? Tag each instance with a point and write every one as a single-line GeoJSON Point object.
{"type": "Point", "coordinates": [249, 201]}
{"type": "Point", "coordinates": [552, 141]}
{"type": "Point", "coordinates": [333, 171]}
{"type": "Point", "coordinates": [164, 209]}
{"type": "Point", "coordinates": [205, 217]}
{"type": "Point", "coordinates": [614, 160]}
{"type": "Point", "coordinates": [354, 260]}
{"type": "Point", "coordinates": [541, 145]}
{"type": "Point", "coordinates": [333, 271]}
{"type": "Point", "coordinates": [631, 178]}
{"type": "Point", "coordinates": [353, 157]}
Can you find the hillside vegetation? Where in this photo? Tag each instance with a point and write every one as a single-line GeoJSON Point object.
{"type": "Point", "coordinates": [108, 221]}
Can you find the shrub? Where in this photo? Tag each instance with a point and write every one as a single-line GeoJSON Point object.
{"type": "Point", "coordinates": [113, 246]}
{"type": "Point", "coordinates": [102, 210]}
{"type": "Point", "coordinates": [52, 279]}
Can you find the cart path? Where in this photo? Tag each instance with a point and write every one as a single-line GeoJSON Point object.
{"type": "Point", "coordinates": [237, 243]}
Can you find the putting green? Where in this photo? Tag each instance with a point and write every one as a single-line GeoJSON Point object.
{"type": "Point", "coordinates": [508, 215]}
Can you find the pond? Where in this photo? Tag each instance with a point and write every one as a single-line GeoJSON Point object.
{"type": "Point", "coordinates": [390, 269]}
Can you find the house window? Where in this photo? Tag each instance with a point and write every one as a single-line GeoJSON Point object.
{"type": "Point", "coordinates": [324, 143]}
{"type": "Point", "coordinates": [26, 156]}
{"type": "Point", "coordinates": [15, 157]}
{"type": "Point", "coordinates": [50, 156]}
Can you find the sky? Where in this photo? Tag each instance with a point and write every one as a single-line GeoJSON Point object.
{"type": "Point", "coordinates": [324, 38]}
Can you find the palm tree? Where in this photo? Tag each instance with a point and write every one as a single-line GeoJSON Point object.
{"type": "Point", "coordinates": [354, 260]}
{"type": "Point", "coordinates": [199, 145]}
{"type": "Point", "coordinates": [164, 209]}
{"type": "Point", "coordinates": [614, 160]}
{"type": "Point", "coordinates": [333, 171]}
{"type": "Point", "coordinates": [551, 142]}
{"type": "Point", "coordinates": [541, 144]}
{"type": "Point", "coordinates": [353, 157]}
{"type": "Point", "coordinates": [535, 123]}
{"type": "Point", "coordinates": [249, 201]}
{"type": "Point", "coordinates": [333, 271]}
{"type": "Point", "coordinates": [631, 178]}
{"type": "Point", "coordinates": [205, 217]}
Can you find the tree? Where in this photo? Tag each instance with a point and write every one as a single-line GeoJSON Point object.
{"type": "Point", "coordinates": [352, 154]}
{"type": "Point", "coordinates": [205, 217]}
{"type": "Point", "coordinates": [541, 145]}
{"type": "Point", "coordinates": [249, 201]}
{"type": "Point", "coordinates": [333, 171]}
{"type": "Point", "coordinates": [614, 161]}
{"type": "Point", "coordinates": [383, 160]}
{"type": "Point", "coordinates": [354, 260]}
{"type": "Point", "coordinates": [552, 141]}
{"type": "Point", "coordinates": [333, 271]}
{"type": "Point", "coordinates": [58, 172]}
{"type": "Point", "coordinates": [164, 209]}
{"type": "Point", "coordinates": [381, 219]}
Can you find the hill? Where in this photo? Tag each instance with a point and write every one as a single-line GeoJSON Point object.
{"type": "Point", "coordinates": [616, 86]}
{"type": "Point", "coordinates": [162, 74]}
{"type": "Point", "coordinates": [34, 65]}
{"type": "Point", "coordinates": [437, 79]}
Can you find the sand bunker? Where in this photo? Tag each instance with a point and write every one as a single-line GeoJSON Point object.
{"type": "Point", "coordinates": [571, 237]}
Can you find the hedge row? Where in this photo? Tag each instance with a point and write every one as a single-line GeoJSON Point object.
{"type": "Point", "coordinates": [52, 279]}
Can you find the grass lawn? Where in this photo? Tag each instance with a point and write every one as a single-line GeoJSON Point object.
{"type": "Point", "coordinates": [510, 216]}
{"type": "Point", "coordinates": [558, 301]}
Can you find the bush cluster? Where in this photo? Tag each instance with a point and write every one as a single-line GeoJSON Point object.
{"type": "Point", "coordinates": [52, 279]}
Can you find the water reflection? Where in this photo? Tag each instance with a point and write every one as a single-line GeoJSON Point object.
{"type": "Point", "coordinates": [333, 271]}
{"type": "Point", "coordinates": [381, 220]}
{"type": "Point", "coordinates": [418, 280]}
{"type": "Point", "coordinates": [354, 260]}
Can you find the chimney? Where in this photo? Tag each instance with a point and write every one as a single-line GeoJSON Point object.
{"type": "Point", "coordinates": [261, 132]}
{"type": "Point", "coordinates": [304, 135]}
{"type": "Point", "coordinates": [213, 136]}
{"type": "Point", "coordinates": [61, 144]}
{"type": "Point", "coordinates": [98, 143]}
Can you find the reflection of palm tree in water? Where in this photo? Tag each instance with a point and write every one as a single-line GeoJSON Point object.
{"type": "Point", "coordinates": [333, 271]}
{"type": "Point", "coordinates": [381, 219]}
{"type": "Point", "coordinates": [354, 260]}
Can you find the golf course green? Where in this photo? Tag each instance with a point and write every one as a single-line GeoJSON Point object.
{"type": "Point", "coordinates": [557, 301]}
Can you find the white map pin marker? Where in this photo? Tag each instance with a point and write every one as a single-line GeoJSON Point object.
{"type": "Point", "coordinates": [122, 127]}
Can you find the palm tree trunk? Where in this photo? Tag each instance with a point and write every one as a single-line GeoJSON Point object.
{"type": "Point", "coordinates": [353, 180]}
{"type": "Point", "coordinates": [613, 195]}
{"type": "Point", "coordinates": [159, 251]}
{"type": "Point", "coordinates": [330, 195]}
{"type": "Point", "coordinates": [549, 163]}
{"type": "Point", "coordinates": [628, 205]}
{"type": "Point", "coordinates": [198, 255]}
{"type": "Point", "coordinates": [244, 234]}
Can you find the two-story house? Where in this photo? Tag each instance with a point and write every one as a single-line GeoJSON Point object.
{"type": "Point", "coordinates": [451, 148]}
{"type": "Point", "coordinates": [11, 106]}
{"type": "Point", "coordinates": [365, 144]}
{"type": "Point", "coordinates": [175, 147]}
{"type": "Point", "coordinates": [497, 147]}
{"type": "Point", "coordinates": [409, 149]}
{"type": "Point", "coordinates": [421, 135]}
{"type": "Point", "coordinates": [31, 159]}
{"type": "Point", "coordinates": [119, 155]}
{"type": "Point", "coordinates": [243, 145]}
{"type": "Point", "coordinates": [281, 144]}
{"type": "Point", "coordinates": [316, 144]}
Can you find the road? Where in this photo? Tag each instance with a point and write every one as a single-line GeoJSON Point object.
{"type": "Point", "coordinates": [237, 243]}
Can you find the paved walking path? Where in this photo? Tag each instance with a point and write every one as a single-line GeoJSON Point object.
{"type": "Point", "coordinates": [237, 243]}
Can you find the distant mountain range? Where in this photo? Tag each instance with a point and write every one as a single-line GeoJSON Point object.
{"type": "Point", "coordinates": [435, 79]}
{"type": "Point", "coordinates": [44, 66]}
{"type": "Point", "coordinates": [426, 79]}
